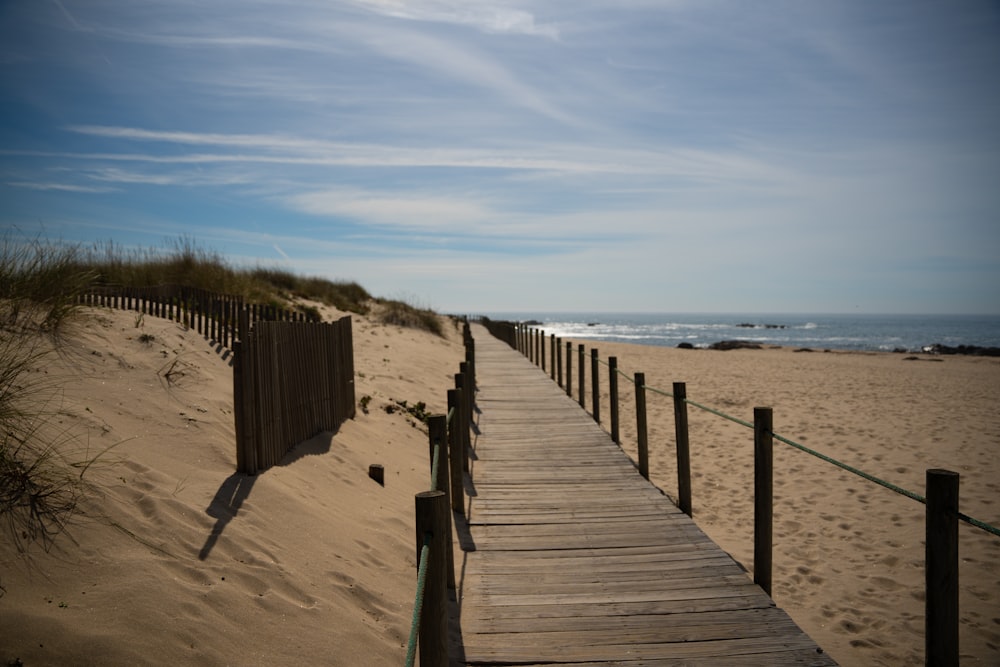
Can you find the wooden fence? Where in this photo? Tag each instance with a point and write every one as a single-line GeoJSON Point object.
{"type": "Point", "coordinates": [291, 380]}
{"type": "Point", "coordinates": [293, 377]}
{"type": "Point", "coordinates": [215, 316]}
{"type": "Point", "coordinates": [942, 514]}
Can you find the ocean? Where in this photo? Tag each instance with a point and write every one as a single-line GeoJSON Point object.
{"type": "Point", "coordinates": [885, 333]}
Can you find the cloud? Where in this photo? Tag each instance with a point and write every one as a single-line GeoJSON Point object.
{"type": "Point", "coordinates": [63, 187]}
{"type": "Point", "coordinates": [386, 209]}
{"type": "Point", "coordinates": [489, 17]}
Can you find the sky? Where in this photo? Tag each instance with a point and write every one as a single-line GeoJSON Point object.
{"type": "Point", "coordinates": [561, 155]}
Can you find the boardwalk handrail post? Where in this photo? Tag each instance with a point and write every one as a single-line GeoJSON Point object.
{"type": "Point", "coordinates": [437, 436]}
{"type": "Point", "coordinates": [552, 356]}
{"type": "Point", "coordinates": [763, 487]}
{"type": "Point", "coordinates": [941, 570]}
{"type": "Point", "coordinates": [462, 419]}
{"type": "Point", "coordinates": [640, 424]}
{"type": "Point", "coordinates": [581, 355]}
{"type": "Point", "coordinates": [683, 449]}
{"type": "Point", "coordinates": [613, 397]}
{"type": "Point", "coordinates": [595, 386]}
{"type": "Point", "coordinates": [569, 368]}
{"type": "Point", "coordinates": [470, 358]}
{"type": "Point", "coordinates": [559, 372]}
{"type": "Point", "coordinates": [455, 451]}
{"type": "Point", "coordinates": [541, 348]}
{"type": "Point", "coordinates": [432, 513]}
{"type": "Point", "coordinates": [470, 393]}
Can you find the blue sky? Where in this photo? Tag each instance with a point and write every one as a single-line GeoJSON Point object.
{"type": "Point", "coordinates": [475, 156]}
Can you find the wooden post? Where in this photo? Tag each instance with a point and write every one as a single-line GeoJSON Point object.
{"type": "Point", "coordinates": [613, 391]}
{"type": "Point", "coordinates": [569, 369]}
{"type": "Point", "coordinates": [432, 513]}
{"type": "Point", "coordinates": [640, 423]}
{"type": "Point", "coordinates": [763, 487]}
{"type": "Point", "coordinates": [377, 472]}
{"type": "Point", "coordinates": [238, 409]}
{"type": "Point", "coordinates": [437, 431]}
{"type": "Point", "coordinates": [559, 373]}
{"type": "Point", "coordinates": [462, 420]}
{"type": "Point", "coordinates": [595, 385]}
{"type": "Point", "coordinates": [455, 451]}
{"type": "Point", "coordinates": [541, 348]}
{"type": "Point", "coordinates": [683, 450]}
{"type": "Point", "coordinates": [470, 358]}
{"type": "Point", "coordinates": [552, 356]}
{"type": "Point", "coordinates": [470, 394]}
{"type": "Point", "coordinates": [437, 426]}
{"type": "Point", "coordinates": [580, 355]}
{"type": "Point", "coordinates": [941, 569]}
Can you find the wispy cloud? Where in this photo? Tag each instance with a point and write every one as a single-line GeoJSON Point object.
{"type": "Point", "coordinates": [63, 187]}
{"type": "Point", "coordinates": [394, 210]}
{"type": "Point", "coordinates": [488, 16]}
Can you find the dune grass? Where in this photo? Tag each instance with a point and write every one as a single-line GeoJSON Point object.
{"type": "Point", "coordinates": [40, 287]}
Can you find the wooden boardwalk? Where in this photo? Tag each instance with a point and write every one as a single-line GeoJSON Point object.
{"type": "Point", "coordinates": [572, 558]}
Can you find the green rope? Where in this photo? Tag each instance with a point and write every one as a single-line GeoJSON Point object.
{"type": "Point", "coordinates": [860, 473]}
{"type": "Point", "coordinates": [658, 391]}
{"type": "Point", "coordinates": [435, 462]}
{"type": "Point", "coordinates": [418, 605]}
{"type": "Point", "coordinates": [451, 413]}
{"type": "Point", "coordinates": [979, 524]}
{"type": "Point", "coordinates": [717, 413]}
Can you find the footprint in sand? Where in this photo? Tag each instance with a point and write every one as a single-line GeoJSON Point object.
{"type": "Point", "coordinates": [886, 584]}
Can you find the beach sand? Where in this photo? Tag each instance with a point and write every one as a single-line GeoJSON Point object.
{"type": "Point", "coordinates": [848, 554]}
{"type": "Point", "coordinates": [174, 559]}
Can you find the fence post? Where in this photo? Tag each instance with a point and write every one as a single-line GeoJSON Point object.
{"type": "Point", "coordinates": [941, 569]}
{"type": "Point", "coordinates": [640, 423]}
{"type": "Point", "coordinates": [463, 419]}
{"type": "Point", "coordinates": [552, 356]}
{"type": "Point", "coordinates": [683, 449]}
{"type": "Point", "coordinates": [595, 385]}
{"type": "Point", "coordinates": [239, 408]}
{"type": "Point", "coordinates": [569, 369]}
{"type": "Point", "coordinates": [541, 348]}
{"type": "Point", "coordinates": [580, 355]}
{"type": "Point", "coordinates": [559, 373]}
{"type": "Point", "coordinates": [470, 358]}
{"type": "Point", "coordinates": [763, 487]}
{"type": "Point", "coordinates": [455, 451]}
{"type": "Point", "coordinates": [437, 436]}
{"type": "Point", "coordinates": [613, 397]}
{"type": "Point", "coordinates": [431, 511]}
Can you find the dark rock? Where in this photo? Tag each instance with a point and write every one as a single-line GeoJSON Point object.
{"type": "Point", "coordinates": [685, 346]}
{"type": "Point", "coordinates": [734, 345]}
{"type": "Point", "coordinates": [974, 350]}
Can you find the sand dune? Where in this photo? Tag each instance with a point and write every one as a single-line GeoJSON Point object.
{"type": "Point", "coordinates": [174, 559]}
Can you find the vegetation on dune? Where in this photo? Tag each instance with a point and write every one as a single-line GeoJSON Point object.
{"type": "Point", "coordinates": [40, 287]}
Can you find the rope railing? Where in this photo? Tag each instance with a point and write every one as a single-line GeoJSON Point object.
{"type": "Point", "coordinates": [449, 440]}
{"type": "Point", "coordinates": [418, 605]}
{"type": "Point", "coordinates": [829, 459]}
{"type": "Point", "coordinates": [941, 500]}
